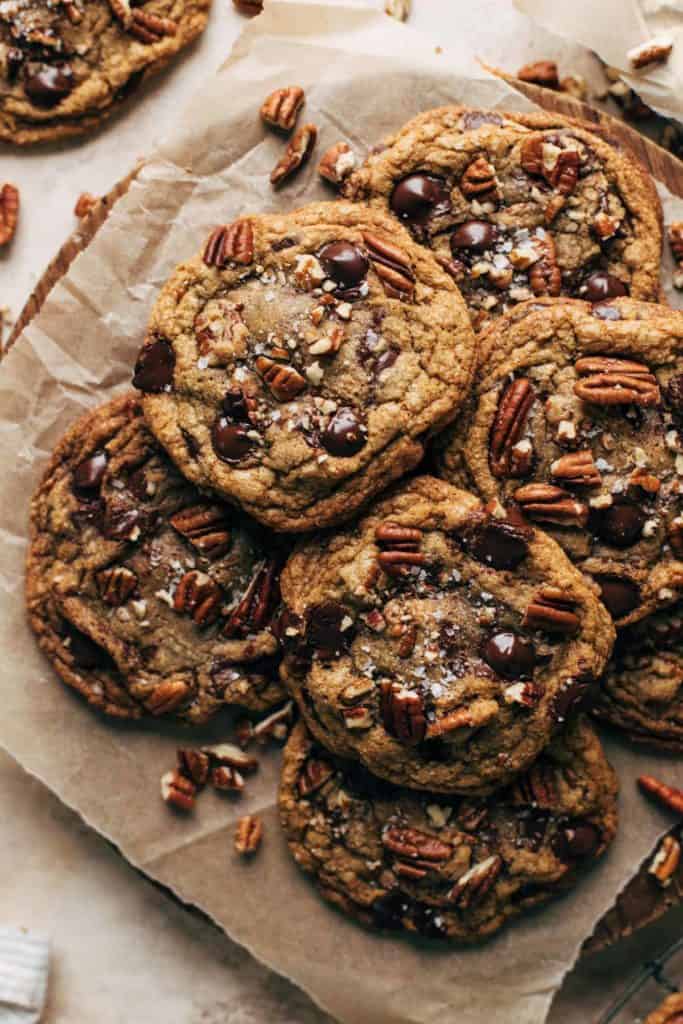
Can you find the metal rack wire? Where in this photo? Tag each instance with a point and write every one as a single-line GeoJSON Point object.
{"type": "Point", "coordinates": [653, 970]}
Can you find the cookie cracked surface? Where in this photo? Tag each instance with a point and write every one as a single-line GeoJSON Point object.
{"type": "Point", "coordinates": [299, 365]}
{"type": "Point", "coordinates": [445, 867]}
{"type": "Point", "coordinates": [519, 205]}
{"type": "Point", "coordinates": [66, 64]}
{"type": "Point", "coordinates": [439, 642]}
{"type": "Point", "coordinates": [145, 595]}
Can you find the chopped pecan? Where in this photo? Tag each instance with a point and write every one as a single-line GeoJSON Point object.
{"type": "Point", "coordinates": [275, 725]}
{"type": "Point", "coordinates": [282, 107]}
{"type": "Point", "coordinates": [545, 276]}
{"type": "Point", "coordinates": [199, 595]}
{"type": "Point", "coordinates": [205, 527]}
{"type": "Point", "coordinates": [540, 72]}
{"type": "Point", "coordinates": [314, 774]}
{"type": "Point", "coordinates": [553, 207]}
{"type": "Point", "coordinates": [479, 177]}
{"type": "Point", "coordinates": [410, 844]}
{"type": "Point", "coordinates": [222, 334]}
{"type": "Point", "coordinates": [547, 504]}
{"type": "Point", "coordinates": [227, 779]}
{"type": "Point", "coordinates": [149, 28]}
{"type": "Point", "coordinates": [392, 266]}
{"type": "Point", "coordinates": [565, 171]}
{"type": "Point", "coordinates": [359, 717]}
{"type": "Point", "coordinates": [667, 795]}
{"type": "Point", "coordinates": [167, 696]}
{"type": "Point", "coordinates": [85, 204]}
{"type": "Point", "coordinates": [605, 226]}
{"type": "Point", "coordinates": [337, 163]}
{"type": "Point", "coordinates": [230, 243]}
{"type": "Point", "coordinates": [406, 644]}
{"type": "Point", "coordinates": [296, 154]}
{"type": "Point", "coordinates": [608, 381]}
{"type": "Point", "coordinates": [254, 610]}
{"type": "Point", "coordinates": [666, 860]}
{"type": "Point", "coordinates": [248, 835]}
{"type": "Point", "coordinates": [232, 755]}
{"type": "Point", "coordinates": [654, 51]}
{"type": "Point", "coordinates": [194, 764]}
{"type": "Point", "coordinates": [552, 611]}
{"type": "Point", "coordinates": [527, 694]}
{"type": "Point", "coordinates": [577, 469]}
{"type": "Point", "coordinates": [178, 790]}
{"type": "Point", "coordinates": [284, 382]}
{"type": "Point", "coordinates": [9, 212]}
{"type": "Point", "coordinates": [461, 719]}
{"type": "Point", "coordinates": [675, 234]}
{"type": "Point", "coordinates": [402, 712]}
{"type": "Point", "coordinates": [115, 585]}
{"type": "Point", "coordinates": [473, 886]}
{"type": "Point", "coordinates": [537, 786]}
{"type": "Point", "coordinates": [508, 425]}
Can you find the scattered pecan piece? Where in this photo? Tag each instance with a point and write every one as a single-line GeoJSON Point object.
{"type": "Point", "coordinates": [411, 844]}
{"type": "Point", "coordinates": [199, 595]}
{"type": "Point", "coordinates": [282, 107]}
{"type": "Point", "coordinates": [402, 713]}
{"type": "Point", "coordinates": [401, 548]}
{"type": "Point", "coordinates": [577, 469]}
{"type": "Point", "coordinates": [508, 425]}
{"type": "Point", "coordinates": [547, 504]}
{"type": "Point", "coordinates": [667, 795]}
{"type": "Point", "coordinates": [115, 585]}
{"type": "Point", "coordinates": [227, 779]}
{"type": "Point", "coordinates": [537, 786]}
{"type": "Point", "coordinates": [194, 764]}
{"type": "Point", "coordinates": [296, 154]}
{"type": "Point", "coordinates": [337, 163]}
{"type": "Point", "coordinates": [9, 212]}
{"type": "Point", "coordinates": [250, 7]}
{"type": "Point", "coordinates": [230, 243]}
{"type": "Point", "coordinates": [253, 611]}
{"type": "Point", "coordinates": [248, 835]}
{"type": "Point", "coordinates": [232, 755]}
{"type": "Point", "coordinates": [479, 177]}
{"type": "Point", "coordinates": [167, 696]}
{"type": "Point", "coordinates": [284, 382]}
{"type": "Point", "coordinates": [473, 886]}
{"type": "Point", "coordinates": [275, 725]}
{"type": "Point", "coordinates": [315, 773]}
{"type": "Point", "coordinates": [85, 204]}
{"type": "Point", "coordinates": [654, 51]}
{"type": "Point", "coordinates": [178, 790]}
{"type": "Point", "coordinates": [149, 28]}
{"type": "Point", "coordinates": [545, 276]}
{"type": "Point", "coordinates": [392, 266]}
{"type": "Point", "coordinates": [527, 694]}
{"type": "Point", "coordinates": [461, 719]}
{"type": "Point", "coordinates": [666, 860]}
{"type": "Point", "coordinates": [608, 381]}
{"type": "Point", "coordinates": [399, 9]}
{"type": "Point", "coordinates": [205, 527]}
{"type": "Point", "coordinates": [540, 72]}
{"type": "Point", "coordinates": [552, 611]}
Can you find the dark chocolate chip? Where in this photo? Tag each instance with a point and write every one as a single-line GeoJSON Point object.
{"type": "Point", "coordinates": [473, 235]}
{"type": "Point", "coordinates": [498, 544]}
{"type": "Point", "coordinates": [86, 653]}
{"type": "Point", "coordinates": [385, 360]}
{"type": "Point", "coordinates": [601, 286]}
{"type": "Point", "coordinates": [345, 434]}
{"type": "Point", "coordinates": [88, 474]}
{"type": "Point", "coordinates": [568, 697]}
{"type": "Point", "coordinates": [329, 628]}
{"type": "Point", "coordinates": [620, 525]}
{"type": "Point", "coordinates": [532, 824]}
{"type": "Point", "coordinates": [154, 367]}
{"type": "Point", "coordinates": [231, 441]}
{"type": "Point", "coordinates": [575, 839]}
{"type": "Point", "coordinates": [429, 921]}
{"type": "Point", "coordinates": [344, 263]}
{"type": "Point", "coordinates": [420, 196]}
{"type": "Point", "coordinates": [510, 655]}
{"type": "Point", "coordinates": [120, 523]}
{"type": "Point", "coordinates": [235, 406]}
{"type": "Point", "coordinates": [619, 595]}
{"type": "Point", "coordinates": [389, 909]}
{"type": "Point", "coordinates": [46, 85]}
{"type": "Point", "coordinates": [14, 59]}
{"type": "Point", "coordinates": [604, 311]}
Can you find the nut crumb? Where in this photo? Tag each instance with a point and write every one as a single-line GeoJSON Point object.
{"type": "Point", "coordinates": [654, 51]}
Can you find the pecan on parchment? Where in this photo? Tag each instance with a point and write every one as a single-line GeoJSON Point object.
{"type": "Point", "coordinates": [194, 764]}
{"type": "Point", "coordinates": [508, 426]}
{"type": "Point", "coordinates": [540, 72]}
{"type": "Point", "coordinates": [608, 381]}
{"type": "Point", "coordinates": [248, 835]}
{"type": "Point", "coordinates": [9, 212]}
{"type": "Point", "coordinates": [296, 154]}
{"type": "Point", "coordinates": [665, 861]}
{"type": "Point", "coordinates": [391, 265]}
{"type": "Point", "coordinates": [667, 795]}
{"type": "Point", "coordinates": [282, 107]}
{"type": "Point", "coordinates": [178, 791]}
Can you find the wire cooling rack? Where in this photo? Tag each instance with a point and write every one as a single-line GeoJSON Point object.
{"type": "Point", "coordinates": [652, 970]}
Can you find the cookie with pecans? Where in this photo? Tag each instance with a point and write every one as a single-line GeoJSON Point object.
{"type": "Point", "coordinates": [454, 868]}
{"type": "Point", "coordinates": [440, 642]}
{"type": "Point", "coordinates": [519, 205]}
{"type": "Point", "coordinates": [576, 418]}
{"type": "Point", "coordinates": [148, 597]}
{"type": "Point", "coordinates": [670, 1011]}
{"type": "Point", "coordinates": [300, 363]}
{"type": "Point", "coordinates": [65, 65]}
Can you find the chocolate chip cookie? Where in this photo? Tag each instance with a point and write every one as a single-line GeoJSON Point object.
{"type": "Point", "coordinates": [576, 418]}
{"type": "Point", "coordinates": [439, 641]}
{"type": "Point", "coordinates": [445, 867]}
{"type": "Point", "coordinates": [67, 64]}
{"type": "Point", "coordinates": [300, 363]}
{"type": "Point", "coordinates": [670, 1012]}
{"type": "Point", "coordinates": [519, 205]}
{"type": "Point", "coordinates": [145, 595]}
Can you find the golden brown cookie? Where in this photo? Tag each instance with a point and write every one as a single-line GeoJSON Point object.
{"type": "Point", "coordinates": [670, 1012]}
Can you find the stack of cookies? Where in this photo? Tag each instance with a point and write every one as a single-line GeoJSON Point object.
{"type": "Point", "coordinates": [455, 387]}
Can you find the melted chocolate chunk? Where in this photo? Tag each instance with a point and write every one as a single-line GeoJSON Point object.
{"type": "Point", "coordinates": [510, 655]}
{"type": "Point", "coordinates": [345, 434]}
{"type": "Point", "coordinates": [235, 406]}
{"type": "Point", "coordinates": [125, 524]}
{"type": "Point", "coordinates": [344, 263]}
{"type": "Point", "coordinates": [618, 594]}
{"type": "Point", "coordinates": [154, 367]}
{"type": "Point", "coordinates": [86, 653]}
{"type": "Point", "coordinates": [231, 441]}
{"type": "Point", "coordinates": [601, 286]}
{"type": "Point", "coordinates": [429, 921]}
{"type": "Point", "coordinates": [474, 236]}
{"type": "Point", "coordinates": [568, 697]}
{"type": "Point", "coordinates": [498, 544]}
{"type": "Point", "coordinates": [420, 196]}
{"type": "Point", "coordinates": [329, 629]}
{"type": "Point", "coordinates": [88, 475]}
{"type": "Point", "coordinates": [389, 910]}
{"type": "Point", "coordinates": [46, 85]}
{"type": "Point", "coordinates": [620, 525]}
{"type": "Point", "coordinates": [575, 839]}
{"type": "Point", "coordinates": [532, 824]}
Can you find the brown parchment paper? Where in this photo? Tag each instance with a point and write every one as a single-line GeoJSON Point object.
{"type": "Point", "coordinates": [364, 75]}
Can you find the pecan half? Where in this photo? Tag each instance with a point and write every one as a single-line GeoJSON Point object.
{"type": "Point", "coordinates": [666, 860]}
{"type": "Point", "coordinates": [508, 425]}
{"type": "Point", "coordinates": [194, 764]}
{"type": "Point", "coordinates": [115, 585]}
{"type": "Point", "coordinates": [178, 791]}
{"type": "Point", "coordinates": [284, 382]}
{"type": "Point", "coordinates": [552, 611]}
{"type": "Point", "coordinates": [411, 844]}
{"type": "Point", "coordinates": [314, 775]}
{"type": "Point", "coordinates": [227, 779]}
{"type": "Point", "coordinates": [392, 266]}
{"type": "Point", "coordinates": [401, 549]}
{"type": "Point", "coordinates": [85, 204]}
{"type": "Point", "coordinates": [205, 527]}
{"type": "Point", "coordinates": [565, 172]}
{"type": "Point", "coordinates": [282, 107]}
{"type": "Point", "coordinates": [479, 177]}
{"type": "Point", "coordinates": [248, 835]}
{"type": "Point", "coordinates": [609, 381]}
{"type": "Point", "coordinates": [545, 276]}
{"type": "Point", "coordinates": [9, 212]}
{"type": "Point", "coordinates": [577, 469]}
{"type": "Point", "coordinates": [199, 595]}
{"type": "Point", "coordinates": [296, 154]}
{"type": "Point", "coordinates": [547, 504]}
{"type": "Point", "coordinates": [254, 610]}
{"type": "Point", "coordinates": [167, 696]}
{"type": "Point", "coordinates": [232, 755]}
{"type": "Point", "coordinates": [230, 243]}
{"type": "Point", "coordinates": [537, 786]}
{"type": "Point", "coordinates": [337, 163]}
{"type": "Point", "coordinates": [473, 886]}
{"type": "Point", "coordinates": [540, 72]}
{"type": "Point", "coordinates": [667, 795]}
{"type": "Point", "coordinates": [149, 28]}
{"type": "Point", "coordinates": [402, 712]}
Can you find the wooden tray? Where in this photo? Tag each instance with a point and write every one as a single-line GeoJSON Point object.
{"type": "Point", "coordinates": [643, 900]}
